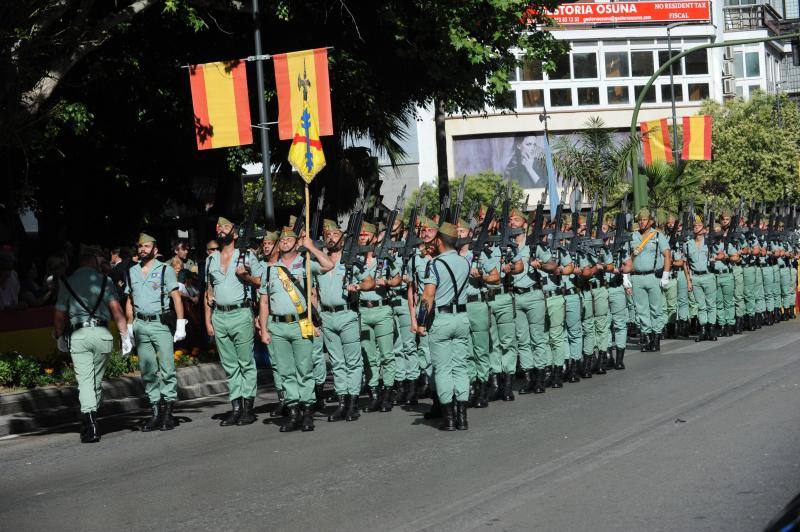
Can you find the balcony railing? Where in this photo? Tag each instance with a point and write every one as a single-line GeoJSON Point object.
{"type": "Point", "coordinates": [752, 17]}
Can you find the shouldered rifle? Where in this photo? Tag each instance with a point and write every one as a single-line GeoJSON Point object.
{"type": "Point", "coordinates": [556, 234]}
{"type": "Point", "coordinates": [444, 208]}
{"type": "Point", "coordinates": [687, 223]}
{"type": "Point", "coordinates": [534, 238]}
{"type": "Point", "coordinates": [316, 218]}
{"type": "Point", "coordinates": [508, 246]}
{"type": "Point", "coordinates": [298, 222]}
{"type": "Point", "coordinates": [382, 251]}
{"type": "Point", "coordinates": [351, 247]}
{"type": "Point", "coordinates": [601, 213]}
{"type": "Point", "coordinates": [621, 234]}
{"type": "Point", "coordinates": [733, 226]}
{"type": "Point", "coordinates": [459, 201]}
{"type": "Point", "coordinates": [480, 245]}
{"type": "Point", "coordinates": [412, 240]}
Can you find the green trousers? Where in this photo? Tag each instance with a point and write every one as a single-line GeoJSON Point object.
{"type": "Point", "coordinates": [495, 365]}
{"type": "Point", "coordinates": [503, 311]}
{"type": "Point", "coordinates": [377, 344]}
{"type": "Point", "coordinates": [530, 329]}
{"type": "Point", "coordinates": [768, 273]}
{"type": "Point", "coordinates": [602, 332]}
{"type": "Point", "coordinates": [157, 360]}
{"type": "Point", "coordinates": [618, 306]}
{"type": "Point", "coordinates": [478, 359]}
{"type": "Point", "coordinates": [748, 289]}
{"type": "Point", "coordinates": [89, 349]}
{"type": "Point", "coordinates": [682, 297]}
{"type": "Point", "coordinates": [738, 290]}
{"type": "Point", "coordinates": [556, 335]}
{"type": "Point", "coordinates": [449, 346]}
{"type": "Point", "coordinates": [405, 353]}
{"type": "Point", "coordinates": [318, 360]}
{"type": "Point", "coordinates": [787, 290]}
{"type": "Point", "coordinates": [649, 301]}
{"type": "Point", "coordinates": [704, 288]}
{"type": "Point", "coordinates": [573, 328]}
{"type": "Point", "coordinates": [587, 325]}
{"type": "Point", "coordinates": [726, 307]}
{"type": "Point", "coordinates": [759, 294]}
{"type": "Point", "coordinates": [343, 340]}
{"type": "Point", "coordinates": [295, 363]}
{"type": "Point", "coordinates": [233, 335]}
{"type": "Point", "coordinates": [670, 313]}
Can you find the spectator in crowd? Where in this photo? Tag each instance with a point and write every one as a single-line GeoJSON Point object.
{"type": "Point", "coordinates": [181, 251]}
{"type": "Point", "coordinates": [9, 284]}
{"type": "Point", "coordinates": [121, 260]}
{"type": "Point", "coordinates": [33, 291]}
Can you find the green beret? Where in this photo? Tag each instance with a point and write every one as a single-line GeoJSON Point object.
{"type": "Point", "coordinates": [448, 229]}
{"type": "Point", "coordinates": [144, 238]}
{"type": "Point", "coordinates": [288, 232]}
{"type": "Point", "coordinates": [644, 212]}
{"type": "Point", "coordinates": [224, 221]}
{"type": "Point", "coordinates": [367, 227]}
{"type": "Point", "coordinates": [271, 236]}
{"type": "Point", "coordinates": [330, 225]}
{"type": "Point", "coordinates": [462, 224]}
{"type": "Point", "coordinates": [426, 222]}
{"type": "Point", "coordinates": [726, 212]}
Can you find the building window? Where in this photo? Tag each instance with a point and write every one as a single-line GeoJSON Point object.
{"type": "Point", "coordinates": [698, 91]}
{"type": "Point", "coordinates": [533, 98]}
{"type": "Point", "coordinates": [697, 62]}
{"type": "Point", "coordinates": [531, 70]}
{"type": "Point", "coordinates": [650, 95]}
{"type": "Point", "coordinates": [746, 65]}
{"type": "Point", "coordinates": [739, 91]}
{"type": "Point", "coordinates": [561, 97]}
{"type": "Point", "coordinates": [512, 74]}
{"type": "Point", "coordinates": [666, 93]}
{"type": "Point", "coordinates": [616, 64]}
{"type": "Point", "coordinates": [642, 63]}
{"type": "Point", "coordinates": [507, 100]}
{"type": "Point", "coordinates": [588, 96]}
{"type": "Point", "coordinates": [618, 95]}
{"type": "Point", "coordinates": [584, 65]}
{"type": "Point", "coordinates": [562, 68]}
{"type": "Point", "coordinates": [677, 66]}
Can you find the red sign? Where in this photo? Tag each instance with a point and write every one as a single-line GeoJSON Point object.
{"type": "Point", "coordinates": [625, 12]}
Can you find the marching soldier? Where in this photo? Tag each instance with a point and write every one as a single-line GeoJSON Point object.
{"type": "Point", "coordinates": [86, 303]}
{"type": "Point", "coordinates": [151, 287]}
{"type": "Point", "coordinates": [726, 254]}
{"type": "Point", "coordinates": [443, 298]}
{"type": "Point", "coordinates": [229, 320]}
{"type": "Point", "coordinates": [701, 281]}
{"type": "Point", "coordinates": [619, 283]}
{"type": "Point", "coordinates": [284, 325]}
{"type": "Point", "coordinates": [405, 346]}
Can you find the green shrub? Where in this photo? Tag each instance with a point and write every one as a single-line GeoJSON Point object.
{"type": "Point", "coordinates": [6, 373]}
{"type": "Point", "coordinates": [116, 365]}
{"type": "Point", "coordinates": [68, 376]}
{"type": "Point", "coordinates": [26, 371]}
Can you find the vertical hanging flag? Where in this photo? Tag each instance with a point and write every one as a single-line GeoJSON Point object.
{"type": "Point", "coordinates": [655, 141]}
{"type": "Point", "coordinates": [306, 153]}
{"type": "Point", "coordinates": [221, 106]}
{"type": "Point", "coordinates": [552, 186]}
{"type": "Point", "coordinates": [290, 69]}
{"type": "Point", "coordinates": [697, 138]}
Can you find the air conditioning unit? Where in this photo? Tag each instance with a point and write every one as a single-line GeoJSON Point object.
{"type": "Point", "coordinates": [727, 69]}
{"type": "Point", "coordinates": [728, 87]}
{"type": "Point", "coordinates": [727, 54]}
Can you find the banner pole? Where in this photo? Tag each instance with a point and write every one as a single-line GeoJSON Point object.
{"type": "Point", "coordinates": [308, 254]}
{"type": "Point", "coordinates": [269, 206]}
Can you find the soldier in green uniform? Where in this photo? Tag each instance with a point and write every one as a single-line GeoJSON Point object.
{"type": "Point", "coordinates": [405, 345]}
{"type": "Point", "coordinates": [619, 283]}
{"type": "Point", "coordinates": [749, 274]}
{"type": "Point", "coordinates": [726, 312]}
{"type": "Point", "coordinates": [444, 297]}
{"type": "Point", "coordinates": [575, 308]}
{"type": "Point", "coordinates": [283, 321]}
{"type": "Point", "coordinates": [417, 270]}
{"type": "Point", "coordinates": [87, 302]}
{"type": "Point", "coordinates": [151, 286]}
{"type": "Point", "coordinates": [787, 288]}
{"type": "Point", "coordinates": [555, 269]}
{"type": "Point", "coordinates": [229, 319]}
{"type": "Point", "coordinates": [340, 326]}
{"type": "Point", "coordinates": [701, 281]}
{"type": "Point", "coordinates": [759, 252]}
{"type": "Point", "coordinates": [737, 272]}
{"type": "Point", "coordinates": [601, 309]}
{"type": "Point", "coordinates": [670, 314]}
{"type": "Point", "coordinates": [650, 250]}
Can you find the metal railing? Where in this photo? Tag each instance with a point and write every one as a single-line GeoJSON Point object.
{"type": "Point", "coordinates": [752, 17]}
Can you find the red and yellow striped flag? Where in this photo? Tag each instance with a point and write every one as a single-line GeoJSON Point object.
{"type": "Point", "coordinates": [221, 105]}
{"type": "Point", "coordinates": [655, 141]}
{"type": "Point", "coordinates": [697, 138]}
{"type": "Point", "coordinates": [300, 77]}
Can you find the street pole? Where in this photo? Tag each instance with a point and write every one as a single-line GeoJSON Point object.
{"type": "Point", "coordinates": [675, 151]}
{"type": "Point", "coordinates": [269, 208]}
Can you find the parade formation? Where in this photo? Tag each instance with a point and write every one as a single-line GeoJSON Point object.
{"type": "Point", "coordinates": [464, 308]}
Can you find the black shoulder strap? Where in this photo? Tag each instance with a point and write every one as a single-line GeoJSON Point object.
{"type": "Point", "coordinates": [161, 295]}
{"type": "Point", "coordinates": [130, 286]}
{"type": "Point", "coordinates": [80, 301]}
{"type": "Point", "coordinates": [456, 290]}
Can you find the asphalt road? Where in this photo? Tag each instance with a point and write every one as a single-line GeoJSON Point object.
{"type": "Point", "coordinates": [697, 437]}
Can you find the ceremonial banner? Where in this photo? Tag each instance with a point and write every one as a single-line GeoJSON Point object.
{"type": "Point", "coordinates": [221, 106]}
{"type": "Point", "coordinates": [697, 138]}
{"type": "Point", "coordinates": [302, 80]}
{"type": "Point", "coordinates": [552, 186]}
{"type": "Point", "coordinates": [306, 154]}
{"type": "Point", "coordinates": [655, 141]}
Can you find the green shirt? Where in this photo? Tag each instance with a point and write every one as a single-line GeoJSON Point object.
{"type": "Point", "coordinates": [381, 292]}
{"type": "Point", "coordinates": [651, 256]}
{"type": "Point", "coordinates": [280, 304]}
{"type": "Point", "coordinates": [148, 296]}
{"type": "Point", "coordinates": [228, 289]}
{"type": "Point", "coordinates": [86, 283]}
{"type": "Point", "coordinates": [331, 284]}
{"type": "Point", "coordinates": [698, 256]}
{"type": "Point", "coordinates": [439, 276]}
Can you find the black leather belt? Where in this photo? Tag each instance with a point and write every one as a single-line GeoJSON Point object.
{"type": "Point", "coordinates": [289, 318]}
{"type": "Point", "coordinates": [89, 324]}
{"type": "Point", "coordinates": [148, 317]}
{"type": "Point", "coordinates": [520, 291]}
{"type": "Point", "coordinates": [550, 293]}
{"type": "Point", "coordinates": [398, 302]}
{"type": "Point", "coordinates": [371, 304]}
{"type": "Point", "coordinates": [473, 299]}
{"type": "Point", "coordinates": [642, 273]}
{"type": "Point", "coordinates": [451, 309]}
{"type": "Point", "coordinates": [229, 308]}
{"type": "Point", "coordinates": [334, 308]}
{"type": "Point", "coordinates": [569, 291]}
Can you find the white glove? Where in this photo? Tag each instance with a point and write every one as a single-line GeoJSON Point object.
{"type": "Point", "coordinates": [130, 331]}
{"type": "Point", "coordinates": [63, 344]}
{"type": "Point", "coordinates": [626, 280]}
{"type": "Point", "coordinates": [180, 331]}
{"type": "Point", "coordinates": [665, 279]}
{"type": "Point", "coordinates": [127, 345]}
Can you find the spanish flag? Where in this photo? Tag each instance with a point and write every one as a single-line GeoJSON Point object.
{"type": "Point", "coordinates": [306, 155]}
{"type": "Point", "coordinates": [221, 106]}
{"type": "Point", "coordinates": [655, 141]}
{"type": "Point", "coordinates": [302, 77]}
{"type": "Point", "coordinates": [697, 138]}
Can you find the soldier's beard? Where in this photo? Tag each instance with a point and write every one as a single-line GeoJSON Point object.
{"type": "Point", "coordinates": [224, 239]}
{"type": "Point", "coordinates": [144, 259]}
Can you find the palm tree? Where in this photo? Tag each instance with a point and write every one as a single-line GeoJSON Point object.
{"type": "Point", "coordinates": [667, 187]}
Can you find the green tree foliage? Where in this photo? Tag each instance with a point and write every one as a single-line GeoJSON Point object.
{"type": "Point", "coordinates": [481, 189]}
{"type": "Point", "coordinates": [669, 188]}
{"type": "Point", "coordinates": [755, 154]}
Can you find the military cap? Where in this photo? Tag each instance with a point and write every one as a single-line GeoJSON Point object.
{"type": "Point", "coordinates": [424, 221]}
{"type": "Point", "coordinates": [330, 225]}
{"type": "Point", "coordinates": [367, 227]}
{"type": "Point", "coordinates": [644, 212]}
{"type": "Point", "coordinates": [271, 236]}
{"type": "Point", "coordinates": [144, 238]}
{"type": "Point", "coordinates": [725, 212]}
{"type": "Point", "coordinates": [448, 229]}
{"type": "Point", "coordinates": [224, 221]}
{"type": "Point", "coordinates": [288, 232]}
{"type": "Point", "coordinates": [462, 224]}
{"type": "Point", "coordinates": [518, 213]}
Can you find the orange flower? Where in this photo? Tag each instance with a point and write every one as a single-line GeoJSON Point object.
{"type": "Point", "coordinates": [135, 359]}
{"type": "Point", "coordinates": [48, 371]}
{"type": "Point", "coordinates": [179, 353]}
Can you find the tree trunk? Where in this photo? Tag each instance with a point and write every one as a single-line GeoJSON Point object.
{"type": "Point", "coordinates": [441, 149]}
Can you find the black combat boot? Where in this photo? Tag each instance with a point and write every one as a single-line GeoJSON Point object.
{"type": "Point", "coordinates": [402, 390]}
{"type": "Point", "coordinates": [538, 381]}
{"type": "Point", "coordinates": [295, 420]}
{"type": "Point", "coordinates": [548, 376]}
{"type": "Point", "coordinates": [558, 373]}
{"type": "Point", "coordinates": [657, 342]}
{"type": "Point", "coordinates": [644, 343]}
{"type": "Point", "coordinates": [609, 359]}
{"type": "Point", "coordinates": [374, 399]}
{"type": "Point", "coordinates": [167, 420]}
{"type": "Point", "coordinates": [508, 386]}
{"type": "Point", "coordinates": [588, 362]}
{"type": "Point", "coordinates": [670, 331]}
{"type": "Point", "coordinates": [307, 420]}
{"type": "Point", "coordinates": [737, 326]}
{"type": "Point", "coordinates": [768, 318]}
{"type": "Point", "coordinates": [473, 394]}
{"type": "Point", "coordinates": [248, 416]}
{"type": "Point", "coordinates": [494, 387]}
{"type": "Point", "coordinates": [341, 409]}
{"type": "Point", "coordinates": [319, 397]}
{"type": "Point", "coordinates": [352, 408]}
{"type": "Point", "coordinates": [652, 339]}
{"type": "Point", "coordinates": [710, 333]}
{"type": "Point", "coordinates": [332, 399]}
{"type": "Point", "coordinates": [701, 336]}
{"type": "Point", "coordinates": [619, 364]}
{"type": "Point", "coordinates": [758, 320]}
{"type": "Point", "coordinates": [388, 398]}
{"type": "Point", "coordinates": [154, 423]}
{"type": "Point", "coordinates": [461, 416]}
{"type": "Point", "coordinates": [527, 382]}
{"type": "Point", "coordinates": [483, 395]}
{"type": "Point", "coordinates": [695, 326]}
{"type": "Point", "coordinates": [436, 409]}
{"type": "Point", "coordinates": [281, 410]}
{"type": "Point", "coordinates": [90, 433]}
{"type": "Point", "coordinates": [573, 370]}
{"type": "Point", "coordinates": [411, 396]}
{"type": "Point", "coordinates": [633, 330]}
{"type": "Point", "coordinates": [599, 363]}
{"type": "Point", "coordinates": [423, 386]}
{"type": "Point", "coordinates": [448, 418]}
